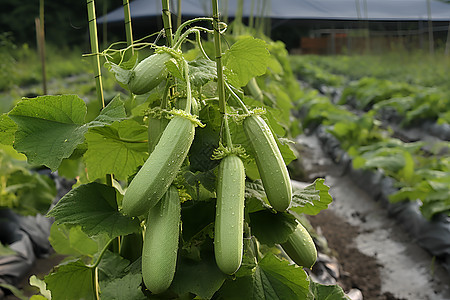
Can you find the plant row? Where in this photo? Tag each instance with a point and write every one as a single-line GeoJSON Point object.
{"type": "Point", "coordinates": [421, 172]}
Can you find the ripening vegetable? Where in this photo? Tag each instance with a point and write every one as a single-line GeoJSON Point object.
{"type": "Point", "coordinates": [149, 73]}
{"type": "Point", "coordinates": [229, 223]}
{"type": "Point", "coordinates": [271, 166]}
{"type": "Point", "coordinates": [300, 247]}
{"type": "Point", "coordinates": [159, 252]}
{"type": "Point", "coordinates": [161, 167]}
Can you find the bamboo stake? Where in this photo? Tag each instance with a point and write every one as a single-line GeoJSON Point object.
{"type": "Point", "coordinates": [220, 80]}
{"type": "Point", "coordinates": [94, 50]}
{"type": "Point", "coordinates": [178, 13]}
{"type": "Point", "coordinates": [218, 46]}
{"type": "Point", "coordinates": [40, 34]}
{"type": "Point", "coordinates": [128, 28]}
{"type": "Point", "coordinates": [40, 39]}
{"type": "Point", "coordinates": [167, 20]}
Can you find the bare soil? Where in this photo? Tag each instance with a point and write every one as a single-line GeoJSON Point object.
{"type": "Point", "coordinates": [374, 253]}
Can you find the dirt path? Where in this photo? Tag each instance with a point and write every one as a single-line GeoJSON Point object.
{"type": "Point", "coordinates": [377, 256]}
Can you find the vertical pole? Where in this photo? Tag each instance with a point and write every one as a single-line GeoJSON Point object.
{"type": "Point", "coordinates": [94, 50]}
{"type": "Point", "coordinates": [167, 20]}
{"type": "Point", "coordinates": [128, 28]}
{"type": "Point", "coordinates": [179, 13]}
{"type": "Point", "coordinates": [41, 45]}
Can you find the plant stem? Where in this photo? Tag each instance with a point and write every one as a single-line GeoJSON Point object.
{"type": "Point", "coordinates": [128, 28]}
{"type": "Point", "coordinates": [94, 50]}
{"type": "Point", "coordinates": [42, 45]}
{"type": "Point", "coordinates": [236, 97]}
{"type": "Point", "coordinates": [167, 20]}
{"type": "Point", "coordinates": [178, 13]}
{"type": "Point", "coordinates": [100, 256]}
{"type": "Point", "coordinates": [218, 48]}
{"type": "Point", "coordinates": [220, 79]}
{"type": "Point", "coordinates": [187, 23]}
{"type": "Point", "coordinates": [188, 88]}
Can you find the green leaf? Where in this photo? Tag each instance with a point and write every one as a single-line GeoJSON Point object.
{"type": "Point", "coordinates": [117, 149]}
{"type": "Point", "coordinates": [275, 279]}
{"type": "Point", "coordinates": [202, 278]}
{"type": "Point", "coordinates": [33, 192]}
{"type": "Point", "coordinates": [312, 199]}
{"type": "Point", "coordinates": [15, 291]}
{"type": "Point", "coordinates": [270, 228]}
{"type": "Point", "coordinates": [49, 128]}
{"type": "Point", "coordinates": [6, 251]}
{"type": "Point", "coordinates": [7, 130]}
{"type": "Point", "coordinates": [127, 287]}
{"type": "Point", "coordinates": [93, 207]}
{"type": "Point", "coordinates": [327, 292]}
{"type": "Point", "coordinates": [40, 284]}
{"type": "Point", "coordinates": [122, 75]}
{"type": "Point", "coordinates": [201, 71]}
{"type": "Point", "coordinates": [71, 281]}
{"type": "Point", "coordinates": [113, 265]}
{"type": "Point", "coordinates": [272, 279]}
{"type": "Point", "coordinates": [38, 297]}
{"type": "Point", "coordinates": [71, 241]}
{"type": "Point", "coordinates": [114, 111]}
{"type": "Point", "coordinates": [172, 67]}
{"type": "Point", "coordinates": [247, 58]}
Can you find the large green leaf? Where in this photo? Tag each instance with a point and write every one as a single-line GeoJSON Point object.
{"type": "Point", "coordinates": [7, 130]}
{"type": "Point", "coordinates": [118, 149]}
{"type": "Point", "coordinates": [270, 228]}
{"type": "Point", "coordinates": [71, 281]}
{"type": "Point", "coordinates": [247, 58]}
{"type": "Point", "coordinates": [327, 292]}
{"type": "Point", "coordinates": [115, 110]}
{"type": "Point", "coordinates": [312, 199]}
{"type": "Point", "coordinates": [275, 279]}
{"type": "Point", "coordinates": [272, 279]}
{"type": "Point", "coordinates": [32, 193]}
{"type": "Point", "coordinates": [49, 128]}
{"type": "Point", "coordinates": [112, 266]}
{"type": "Point", "coordinates": [201, 71]}
{"type": "Point", "coordinates": [127, 287]}
{"type": "Point", "coordinates": [202, 278]}
{"type": "Point", "coordinates": [71, 241]}
{"type": "Point", "coordinates": [6, 251]}
{"type": "Point", "coordinates": [93, 207]}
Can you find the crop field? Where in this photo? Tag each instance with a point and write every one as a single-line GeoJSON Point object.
{"type": "Point", "coordinates": [204, 161]}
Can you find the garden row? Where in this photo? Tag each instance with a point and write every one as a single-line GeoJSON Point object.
{"type": "Point", "coordinates": [411, 177]}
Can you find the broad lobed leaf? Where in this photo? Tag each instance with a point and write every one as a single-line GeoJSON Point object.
{"type": "Point", "coordinates": [93, 207]}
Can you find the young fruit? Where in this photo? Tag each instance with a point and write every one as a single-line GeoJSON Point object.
{"type": "Point", "coordinates": [159, 252]}
{"type": "Point", "coordinates": [271, 166]}
{"type": "Point", "coordinates": [181, 104]}
{"type": "Point", "coordinates": [300, 247]}
{"type": "Point", "coordinates": [160, 169]}
{"type": "Point", "coordinates": [254, 90]}
{"type": "Point", "coordinates": [149, 73]}
{"type": "Point", "coordinates": [228, 235]}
